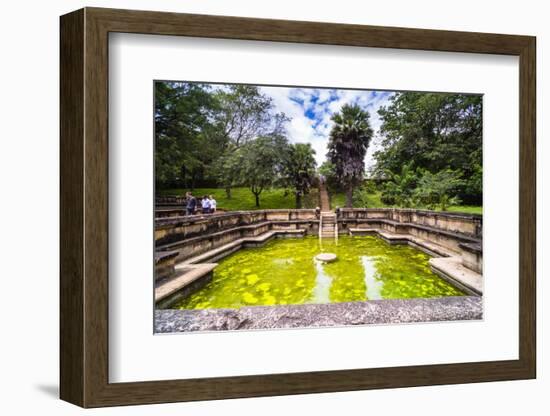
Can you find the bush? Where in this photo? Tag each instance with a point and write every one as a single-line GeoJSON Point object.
{"type": "Point", "coordinates": [399, 189]}
{"type": "Point", "coordinates": [369, 187]}
{"type": "Point", "coordinates": [387, 199]}
{"type": "Point", "coordinates": [438, 189]}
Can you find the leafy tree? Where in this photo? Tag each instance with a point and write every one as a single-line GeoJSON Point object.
{"type": "Point", "coordinates": [259, 163]}
{"type": "Point", "coordinates": [438, 189]}
{"type": "Point", "coordinates": [244, 114]}
{"type": "Point", "coordinates": [183, 114]}
{"type": "Point", "coordinates": [433, 131]}
{"type": "Point", "coordinates": [348, 143]}
{"type": "Point", "coordinates": [299, 169]}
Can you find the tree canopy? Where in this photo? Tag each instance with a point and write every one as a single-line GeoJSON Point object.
{"type": "Point", "coordinates": [435, 132]}
{"type": "Point", "coordinates": [183, 113]}
{"type": "Point", "coordinates": [430, 148]}
{"type": "Point", "coordinates": [299, 170]}
{"type": "Point", "coordinates": [259, 164]}
{"type": "Point", "coordinates": [197, 127]}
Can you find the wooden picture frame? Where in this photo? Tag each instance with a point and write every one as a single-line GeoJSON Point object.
{"type": "Point", "coordinates": [84, 207]}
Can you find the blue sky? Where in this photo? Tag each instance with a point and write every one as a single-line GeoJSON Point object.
{"type": "Point", "coordinates": [311, 109]}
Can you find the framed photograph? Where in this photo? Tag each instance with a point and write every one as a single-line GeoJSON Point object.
{"type": "Point", "coordinates": [255, 207]}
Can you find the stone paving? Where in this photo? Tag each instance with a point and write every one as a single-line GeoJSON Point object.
{"type": "Point", "coordinates": [460, 308]}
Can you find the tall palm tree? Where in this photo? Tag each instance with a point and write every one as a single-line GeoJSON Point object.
{"type": "Point", "coordinates": [348, 143]}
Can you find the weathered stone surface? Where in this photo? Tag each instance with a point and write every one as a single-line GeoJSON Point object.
{"type": "Point", "coordinates": [323, 315]}
{"type": "Point", "coordinates": [452, 270]}
{"type": "Point", "coordinates": [194, 235]}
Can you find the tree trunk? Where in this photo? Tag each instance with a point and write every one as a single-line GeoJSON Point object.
{"type": "Point", "coordinates": [257, 200]}
{"type": "Point", "coordinates": [349, 196]}
{"type": "Point", "coordinates": [298, 200]}
{"type": "Point", "coordinates": [228, 192]}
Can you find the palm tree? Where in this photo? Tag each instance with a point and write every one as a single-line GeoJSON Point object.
{"type": "Point", "coordinates": [300, 169]}
{"type": "Point", "coordinates": [348, 143]}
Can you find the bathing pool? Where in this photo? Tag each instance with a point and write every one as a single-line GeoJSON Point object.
{"type": "Point", "coordinates": [284, 272]}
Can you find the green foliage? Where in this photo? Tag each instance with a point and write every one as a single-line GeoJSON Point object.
{"type": "Point", "coordinates": [348, 143]}
{"type": "Point", "coordinates": [198, 128]}
{"type": "Point", "coordinates": [182, 114]}
{"type": "Point", "coordinates": [399, 189]}
{"type": "Point", "coordinates": [259, 163]}
{"type": "Point", "coordinates": [374, 201]}
{"type": "Point", "coordinates": [245, 114]}
{"type": "Point", "coordinates": [438, 189]}
{"type": "Point", "coordinates": [370, 186]}
{"type": "Point", "coordinates": [474, 184]}
{"type": "Point", "coordinates": [327, 170]}
{"type": "Point", "coordinates": [433, 131]}
{"type": "Point", "coordinates": [419, 188]}
{"type": "Point", "coordinates": [299, 170]}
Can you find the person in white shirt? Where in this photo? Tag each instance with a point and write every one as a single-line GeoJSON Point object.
{"type": "Point", "coordinates": [205, 205]}
{"type": "Point", "coordinates": [213, 204]}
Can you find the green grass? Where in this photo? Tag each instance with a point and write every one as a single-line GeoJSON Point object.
{"type": "Point", "coordinates": [242, 199]}
{"type": "Point", "coordinates": [338, 199]}
{"type": "Point", "coordinates": [469, 209]}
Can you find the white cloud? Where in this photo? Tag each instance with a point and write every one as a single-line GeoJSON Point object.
{"type": "Point", "coordinates": [311, 109]}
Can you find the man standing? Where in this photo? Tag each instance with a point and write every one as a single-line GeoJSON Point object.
{"type": "Point", "coordinates": [205, 205]}
{"type": "Point", "coordinates": [191, 203]}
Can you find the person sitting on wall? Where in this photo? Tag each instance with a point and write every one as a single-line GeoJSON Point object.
{"type": "Point", "coordinates": [213, 204]}
{"type": "Point", "coordinates": [205, 205]}
{"type": "Point", "coordinates": [190, 203]}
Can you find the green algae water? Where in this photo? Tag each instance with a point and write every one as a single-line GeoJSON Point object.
{"type": "Point", "coordinates": [284, 272]}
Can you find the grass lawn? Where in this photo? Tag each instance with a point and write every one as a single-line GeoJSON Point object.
{"type": "Point", "coordinates": [338, 199]}
{"type": "Point", "coordinates": [242, 199]}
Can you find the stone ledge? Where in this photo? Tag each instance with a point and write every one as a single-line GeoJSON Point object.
{"type": "Point", "coordinates": [426, 246]}
{"type": "Point", "coordinates": [224, 250]}
{"type": "Point", "coordinates": [362, 231]}
{"type": "Point", "coordinates": [460, 308]}
{"type": "Point", "coordinates": [161, 256]}
{"type": "Point", "coordinates": [475, 248]}
{"type": "Point", "coordinates": [464, 238]}
{"type": "Point", "coordinates": [431, 213]}
{"type": "Point", "coordinates": [452, 270]}
{"type": "Point", "coordinates": [185, 277]}
{"type": "Point", "coordinates": [168, 222]}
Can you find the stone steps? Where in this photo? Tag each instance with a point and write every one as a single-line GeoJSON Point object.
{"type": "Point", "coordinates": [328, 225]}
{"type": "Point", "coordinates": [185, 277]}
{"type": "Point", "coordinates": [204, 257]}
{"type": "Point", "coordinates": [192, 274]}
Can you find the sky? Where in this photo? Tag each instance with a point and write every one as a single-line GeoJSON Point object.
{"type": "Point", "coordinates": [310, 110]}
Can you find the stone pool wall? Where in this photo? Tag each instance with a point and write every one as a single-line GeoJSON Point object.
{"type": "Point", "coordinates": [194, 235]}
{"type": "Point", "coordinates": [171, 229]}
{"type": "Point", "coordinates": [467, 224]}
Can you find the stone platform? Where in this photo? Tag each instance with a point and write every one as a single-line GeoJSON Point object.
{"type": "Point", "coordinates": [375, 312]}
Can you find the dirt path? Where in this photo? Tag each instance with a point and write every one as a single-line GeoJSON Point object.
{"type": "Point", "coordinates": [325, 202]}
